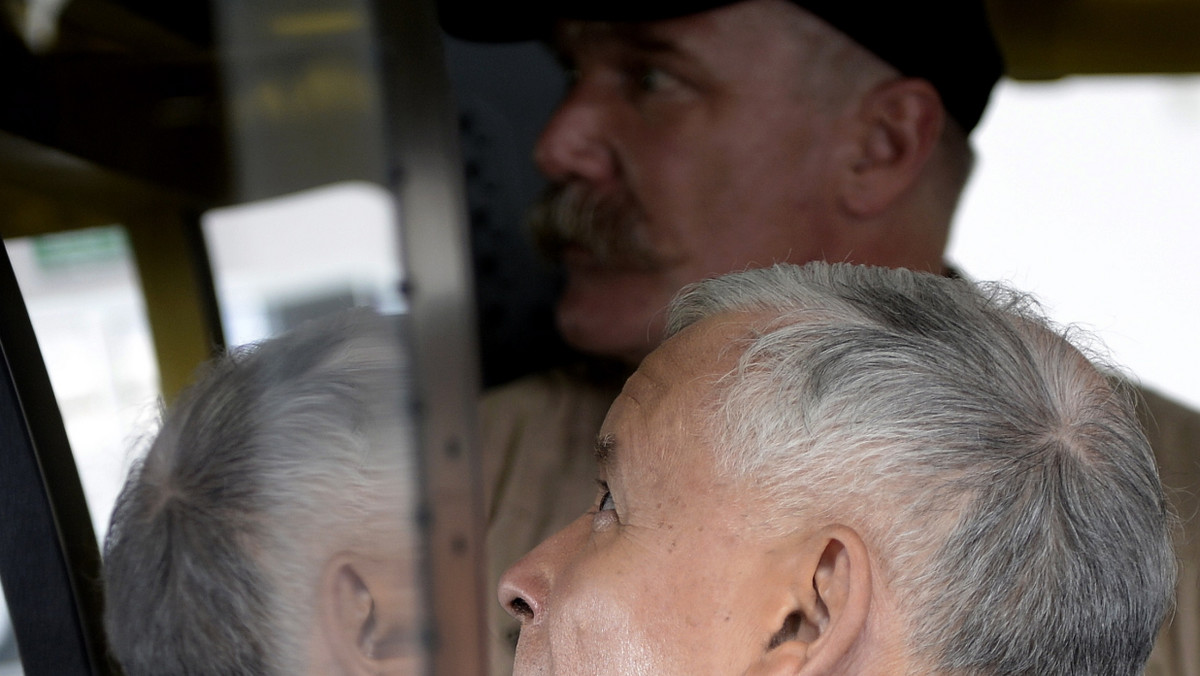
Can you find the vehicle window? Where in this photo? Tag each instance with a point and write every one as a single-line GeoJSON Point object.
{"type": "Point", "coordinates": [266, 154]}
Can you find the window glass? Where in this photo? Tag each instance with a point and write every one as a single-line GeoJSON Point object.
{"type": "Point", "coordinates": [283, 135]}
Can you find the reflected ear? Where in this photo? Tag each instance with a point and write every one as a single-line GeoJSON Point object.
{"type": "Point", "coordinates": [828, 613]}
{"type": "Point", "coordinates": [366, 627]}
{"type": "Point", "coordinates": [900, 123]}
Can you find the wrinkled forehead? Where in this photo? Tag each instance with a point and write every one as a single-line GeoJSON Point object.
{"type": "Point", "coordinates": [686, 368]}
{"type": "Point", "coordinates": [663, 429]}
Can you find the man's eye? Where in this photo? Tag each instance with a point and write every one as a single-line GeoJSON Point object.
{"type": "Point", "coordinates": [605, 516]}
{"type": "Point", "coordinates": [643, 77]}
{"type": "Point", "coordinates": [650, 79]}
{"type": "Point", "coordinates": [607, 510]}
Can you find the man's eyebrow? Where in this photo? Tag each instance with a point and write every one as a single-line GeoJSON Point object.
{"type": "Point", "coordinates": [605, 449]}
{"type": "Point", "coordinates": [649, 42]}
{"type": "Point", "coordinates": [648, 39]}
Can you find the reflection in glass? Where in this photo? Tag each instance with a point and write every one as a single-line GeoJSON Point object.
{"type": "Point", "coordinates": [275, 510]}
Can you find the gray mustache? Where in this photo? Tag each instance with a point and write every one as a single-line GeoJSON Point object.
{"type": "Point", "coordinates": [611, 227]}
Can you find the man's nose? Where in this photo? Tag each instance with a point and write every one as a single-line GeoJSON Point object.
{"type": "Point", "coordinates": [525, 587]}
{"type": "Point", "coordinates": [574, 144]}
{"type": "Point", "coordinates": [522, 593]}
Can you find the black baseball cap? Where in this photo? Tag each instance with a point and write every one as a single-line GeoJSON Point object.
{"type": "Point", "coordinates": [947, 42]}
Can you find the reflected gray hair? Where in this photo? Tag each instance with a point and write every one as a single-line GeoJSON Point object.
{"type": "Point", "coordinates": [1002, 480]}
{"type": "Point", "coordinates": [281, 455]}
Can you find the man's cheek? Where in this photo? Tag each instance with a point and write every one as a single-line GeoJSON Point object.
{"type": "Point", "coordinates": [608, 635]}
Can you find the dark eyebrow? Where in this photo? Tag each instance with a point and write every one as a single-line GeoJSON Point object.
{"type": "Point", "coordinates": [605, 450]}
{"type": "Point", "coordinates": [632, 35]}
{"type": "Point", "coordinates": [651, 40]}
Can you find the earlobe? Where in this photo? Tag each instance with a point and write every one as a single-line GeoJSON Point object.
{"type": "Point", "coordinates": [899, 126]}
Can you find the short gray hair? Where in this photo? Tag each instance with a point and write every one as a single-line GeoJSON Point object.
{"type": "Point", "coordinates": [1002, 479]}
{"type": "Point", "coordinates": [281, 455]}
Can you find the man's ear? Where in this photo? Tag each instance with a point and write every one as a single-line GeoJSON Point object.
{"type": "Point", "coordinates": [828, 609]}
{"type": "Point", "coordinates": [898, 126]}
{"type": "Point", "coordinates": [364, 621]}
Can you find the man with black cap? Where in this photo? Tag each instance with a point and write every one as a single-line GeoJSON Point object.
{"type": "Point", "coordinates": [712, 136]}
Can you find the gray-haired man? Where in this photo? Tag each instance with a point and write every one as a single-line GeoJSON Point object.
{"type": "Point", "coordinates": [839, 469]}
